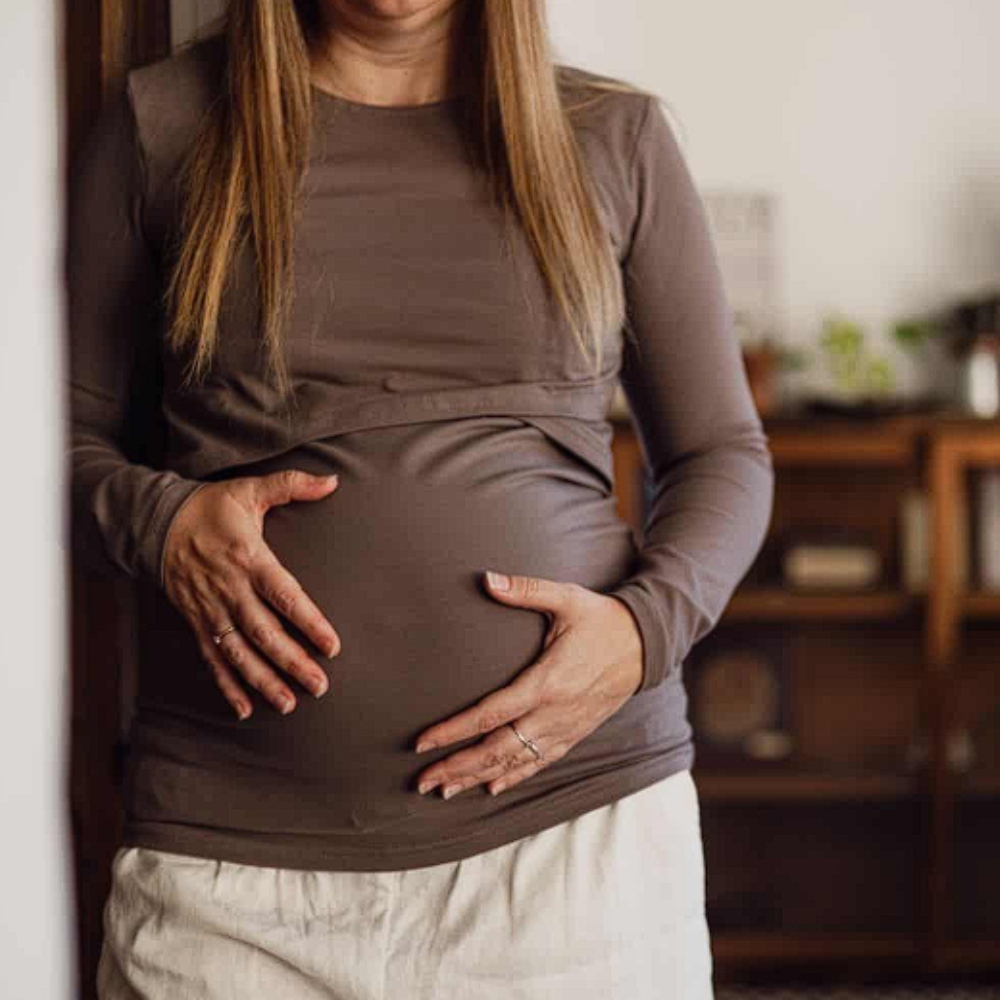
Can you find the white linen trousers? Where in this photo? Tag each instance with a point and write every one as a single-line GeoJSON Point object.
{"type": "Point", "coordinates": [607, 906]}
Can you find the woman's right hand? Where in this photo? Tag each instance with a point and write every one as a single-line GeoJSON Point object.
{"type": "Point", "coordinates": [218, 571]}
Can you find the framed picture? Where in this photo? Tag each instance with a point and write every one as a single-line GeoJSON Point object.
{"type": "Point", "coordinates": [738, 686]}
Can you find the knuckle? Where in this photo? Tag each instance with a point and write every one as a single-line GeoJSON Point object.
{"type": "Point", "coordinates": [240, 552]}
{"type": "Point", "coordinates": [284, 598]}
{"type": "Point", "coordinates": [309, 674]}
{"type": "Point", "coordinates": [235, 653]}
{"type": "Point", "coordinates": [262, 635]}
{"type": "Point", "coordinates": [258, 680]}
{"type": "Point", "coordinates": [551, 686]}
{"type": "Point", "coordinates": [300, 669]}
{"type": "Point", "coordinates": [262, 681]}
{"type": "Point", "coordinates": [186, 606]}
{"type": "Point", "coordinates": [489, 720]}
{"type": "Point", "coordinates": [553, 692]}
{"type": "Point", "coordinates": [276, 691]}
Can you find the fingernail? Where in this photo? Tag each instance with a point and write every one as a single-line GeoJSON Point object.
{"type": "Point", "coordinates": [425, 745]}
{"type": "Point", "coordinates": [498, 581]}
{"type": "Point", "coordinates": [287, 704]}
{"type": "Point", "coordinates": [320, 687]}
{"type": "Point", "coordinates": [334, 649]}
{"type": "Point", "coordinates": [242, 711]}
{"type": "Point", "coordinates": [448, 791]}
{"type": "Point", "coordinates": [425, 786]}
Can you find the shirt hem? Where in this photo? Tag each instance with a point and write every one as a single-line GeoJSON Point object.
{"type": "Point", "coordinates": [319, 852]}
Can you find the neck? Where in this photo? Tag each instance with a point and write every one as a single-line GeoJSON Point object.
{"type": "Point", "coordinates": [373, 59]}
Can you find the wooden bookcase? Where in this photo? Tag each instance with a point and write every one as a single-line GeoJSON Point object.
{"type": "Point", "coordinates": [874, 848]}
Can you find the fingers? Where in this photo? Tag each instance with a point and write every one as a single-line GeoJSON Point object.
{"type": "Point", "coordinates": [553, 597]}
{"type": "Point", "coordinates": [224, 574]}
{"type": "Point", "coordinates": [283, 592]}
{"type": "Point", "coordinates": [292, 484]}
{"type": "Point", "coordinates": [225, 677]}
{"type": "Point", "coordinates": [489, 713]}
{"type": "Point", "coordinates": [262, 631]}
{"type": "Point", "coordinates": [243, 661]}
{"type": "Point", "coordinates": [500, 759]}
{"type": "Point", "coordinates": [518, 774]}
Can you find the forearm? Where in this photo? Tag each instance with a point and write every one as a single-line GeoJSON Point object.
{"type": "Point", "coordinates": [706, 522]}
{"type": "Point", "coordinates": [701, 438]}
{"type": "Point", "coordinates": [121, 511]}
{"type": "Point", "coordinates": [120, 506]}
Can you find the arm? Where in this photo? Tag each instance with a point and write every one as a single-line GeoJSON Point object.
{"type": "Point", "coordinates": [120, 510]}
{"type": "Point", "coordinates": [700, 435]}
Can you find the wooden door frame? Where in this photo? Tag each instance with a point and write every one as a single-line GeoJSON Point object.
{"type": "Point", "coordinates": [101, 40]}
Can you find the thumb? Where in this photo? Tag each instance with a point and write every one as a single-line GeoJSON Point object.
{"type": "Point", "coordinates": [293, 484]}
{"type": "Point", "coordinates": [529, 591]}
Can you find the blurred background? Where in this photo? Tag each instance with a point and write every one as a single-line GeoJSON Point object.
{"type": "Point", "coordinates": [847, 707]}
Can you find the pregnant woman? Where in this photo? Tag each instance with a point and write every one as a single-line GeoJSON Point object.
{"type": "Point", "coordinates": [351, 285]}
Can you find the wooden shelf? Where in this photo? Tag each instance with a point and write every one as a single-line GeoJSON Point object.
{"type": "Point", "coordinates": [844, 447]}
{"type": "Point", "coordinates": [979, 784]}
{"type": "Point", "coordinates": [780, 946]}
{"type": "Point", "coordinates": [984, 604]}
{"type": "Point", "coordinates": [966, 955]}
{"type": "Point", "coordinates": [907, 860]}
{"type": "Point", "coordinates": [804, 786]}
{"type": "Point", "coordinates": [780, 604]}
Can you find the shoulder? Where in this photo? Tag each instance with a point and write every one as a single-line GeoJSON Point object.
{"type": "Point", "coordinates": [621, 126]}
{"type": "Point", "coordinates": [615, 122]}
{"type": "Point", "coordinates": [169, 97]}
{"type": "Point", "coordinates": [607, 108]}
{"type": "Point", "coordinates": [183, 82]}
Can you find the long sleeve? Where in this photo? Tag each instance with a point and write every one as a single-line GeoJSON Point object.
{"type": "Point", "coordinates": [700, 435]}
{"type": "Point", "coordinates": [120, 509]}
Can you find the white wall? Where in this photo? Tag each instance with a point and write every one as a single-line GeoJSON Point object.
{"type": "Point", "coordinates": [36, 931]}
{"type": "Point", "coordinates": [875, 122]}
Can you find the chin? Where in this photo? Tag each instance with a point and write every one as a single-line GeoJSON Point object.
{"type": "Point", "coordinates": [399, 8]}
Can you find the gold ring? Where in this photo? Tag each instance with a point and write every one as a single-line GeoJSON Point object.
{"type": "Point", "coordinates": [219, 636]}
{"type": "Point", "coordinates": [530, 744]}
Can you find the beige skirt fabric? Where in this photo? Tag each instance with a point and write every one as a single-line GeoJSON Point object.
{"type": "Point", "coordinates": [608, 905]}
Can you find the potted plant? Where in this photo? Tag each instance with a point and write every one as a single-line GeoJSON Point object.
{"type": "Point", "coordinates": [859, 374]}
{"type": "Point", "coordinates": [764, 358]}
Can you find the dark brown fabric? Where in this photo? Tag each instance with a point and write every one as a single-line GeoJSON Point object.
{"type": "Point", "coordinates": [437, 377]}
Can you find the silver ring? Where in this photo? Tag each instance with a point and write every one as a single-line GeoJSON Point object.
{"type": "Point", "coordinates": [530, 744]}
{"type": "Point", "coordinates": [219, 636]}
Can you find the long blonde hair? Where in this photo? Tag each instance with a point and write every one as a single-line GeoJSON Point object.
{"type": "Point", "coordinates": [241, 178]}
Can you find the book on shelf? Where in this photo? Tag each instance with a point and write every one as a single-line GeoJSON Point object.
{"type": "Point", "coordinates": [830, 557]}
{"type": "Point", "coordinates": [986, 504]}
{"type": "Point", "coordinates": [914, 543]}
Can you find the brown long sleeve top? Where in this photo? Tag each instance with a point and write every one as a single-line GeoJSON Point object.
{"type": "Point", "coordinates": [435, 374]}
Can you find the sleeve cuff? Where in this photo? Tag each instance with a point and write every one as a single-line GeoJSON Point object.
{"type": "Point", "coordinates": [152, 546]}
{"type": "Point", "coordinates": [655, 667]}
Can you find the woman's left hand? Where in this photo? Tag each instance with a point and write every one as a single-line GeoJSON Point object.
{"type": "Point", "coordinates": [591, 665]}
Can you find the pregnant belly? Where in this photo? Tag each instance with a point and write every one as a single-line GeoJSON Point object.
{"type": "Point", "coordinates": [394, 557]}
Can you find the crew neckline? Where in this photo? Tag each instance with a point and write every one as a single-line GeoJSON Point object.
{"type": "Point", "coordinates": [360, 107]}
